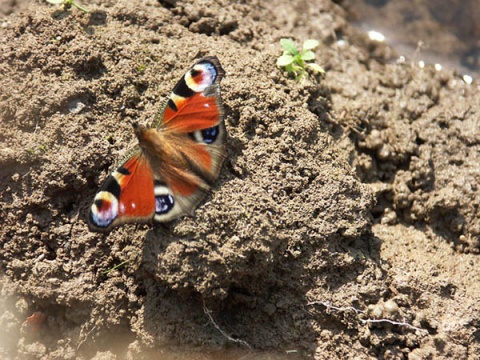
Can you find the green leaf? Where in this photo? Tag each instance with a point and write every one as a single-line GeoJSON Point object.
{"type": "Point", "coordinates": [78, 6]}
{"type": "Point", "coordinates": [115, 267]}
{"type": "Point", "coordinates": [315, 68]}
{"type": "Point", "coordinates": [297, 69]}
{"type": "Point", "coordinates": [310, 44]}
{"type": "Point", "coordinates": [289, 46]}
{"type": "Point", "coordinates": [289, 69]}
{"type": "Point", "coordinates": [284, 60]}
{"type": "Point", "coordinates": [56, 2]}
{"type": "Point", "coordinates": [308, 55]}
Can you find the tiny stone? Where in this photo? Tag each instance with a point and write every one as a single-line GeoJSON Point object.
{"type": "Point", "coordinates": [35, 350]}
{"type": "Point", "coordinates": [391, 306]}
{"type": "Point", "coordinates": [75, 106]}
{"type": "Point", "coordinates": [389, 217]}
{"type": "Point", "coordinates": [376, 311]}
{"type": "Point", "coordinates": [269, 309]}
{"type": "Point", "coordinates": [29, 218]}
{"type": "Point", "coordinates": [326, 335]}
{"type": "Point", "coordinates": [21, 306]}
{"type": "Point", "coordinates": [384, 152]}
{"type": "Point", "coordinates": [375, 139]}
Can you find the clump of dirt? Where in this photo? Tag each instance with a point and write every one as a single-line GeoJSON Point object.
{"type": "Point", "coordinates": [282, 257]}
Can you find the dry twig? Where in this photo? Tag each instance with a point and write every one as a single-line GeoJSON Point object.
{"type": "Point", "coordinates": [210, 317]}
{"type": "Point", "coordinates": [365, 321]}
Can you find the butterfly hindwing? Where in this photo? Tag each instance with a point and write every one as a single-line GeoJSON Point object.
{"type": "Point", "coordinates": [177, 160]}
{"type": "Point", "coordinates": [126, 196]}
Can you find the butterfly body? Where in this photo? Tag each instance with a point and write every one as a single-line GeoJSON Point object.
{"type": "Point", "coordinates": [177, 160]}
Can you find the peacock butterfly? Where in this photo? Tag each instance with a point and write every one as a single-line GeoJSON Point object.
{"type": "Point", "coordinates": [176, 161]}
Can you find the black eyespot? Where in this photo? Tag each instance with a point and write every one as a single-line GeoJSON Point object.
{"type": "Point", "coordinates": [123, 171]}
{"type": "Point", "coordinates": [171, 105]}
{"type": "Point", "coordinates": [194, 73]}
{"type": "Point", "coordinates": [163, 204]}
{"type": "Point", "coordinates": [182, 89]}
{"type": "Point", "coordinates": [210, 135]}
{"type": "Point", "coordinates": [99, 204]}
{"type": "Point", "coordinates": [111, 185]}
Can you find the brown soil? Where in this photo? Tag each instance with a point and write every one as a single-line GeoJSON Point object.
{"type": "Point", "coordinates": [356, 190]}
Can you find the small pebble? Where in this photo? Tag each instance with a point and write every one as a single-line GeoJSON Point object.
{"type": "Point", "coordinates": [391, 307]}
{"type": "Point", "coordinates": [376, 311]}
{"type": "Point", "coordinates": [75, 106]}
{"type": "Point", "coordinates": [384, 152]}
{"type": "Point", "coordinates": [21, 306]}
{"type": "Point", "coordinates": [270, 309]}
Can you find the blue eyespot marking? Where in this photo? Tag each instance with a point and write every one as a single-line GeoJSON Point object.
{"type": "Point", "coordinates": [210, 135]}
{"type": "Point", "coordinates": [163, 204]}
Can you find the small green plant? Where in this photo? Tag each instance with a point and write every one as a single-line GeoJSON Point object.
{"type": "Point", "coordinates": [141, 68]}
{"type": "Point", "coordinates": [40, 149]}
{"type": "Point", "coordinates": [115, 267]}
{"type": "Point", "coordinates": [297, 62]}
{"type": "Point", "coordinates": [43, 148]}
{"type": "Point", "coordinates": [67, 4]}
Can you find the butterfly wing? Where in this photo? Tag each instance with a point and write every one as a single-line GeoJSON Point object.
{"type": "Point", "coordinates": [194, 113]}
{"type": "Point", "coordinates": [126, 196]}
{"type": "Point", "coordinates": [177, 162]}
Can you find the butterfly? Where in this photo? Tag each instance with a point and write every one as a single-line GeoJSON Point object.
{"type": "Point", "coordinates": [176, 161]}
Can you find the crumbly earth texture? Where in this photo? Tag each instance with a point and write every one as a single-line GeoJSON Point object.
{"type": "Point", "coordinates": [345, 223]}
